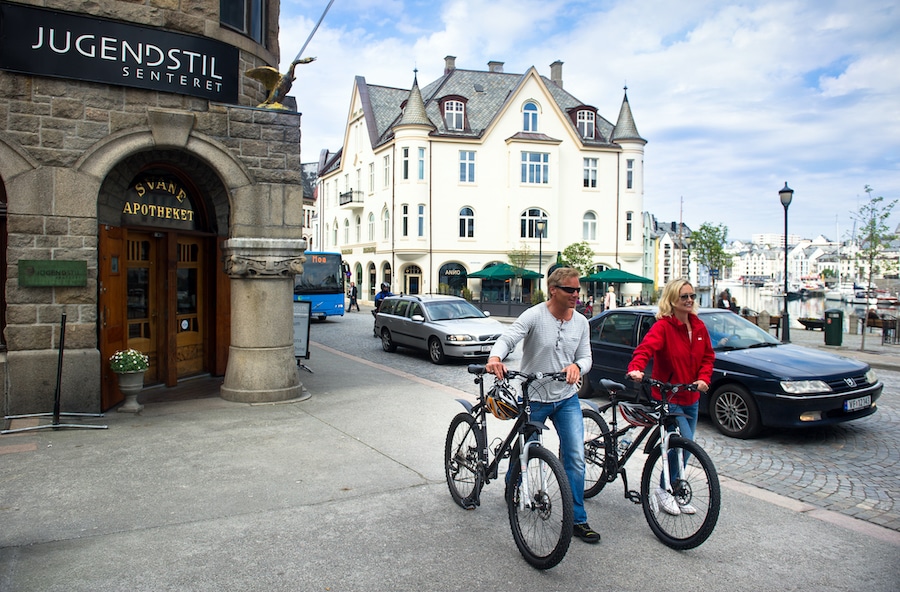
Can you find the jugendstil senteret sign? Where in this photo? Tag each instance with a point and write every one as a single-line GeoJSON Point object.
{"type": "Point", "coordinates": [158, 200]}
{"type": "Point", "coordinates": [63, 45]}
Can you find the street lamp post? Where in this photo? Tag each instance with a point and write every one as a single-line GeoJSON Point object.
{"type": "Point", "coordinates": [785, 194]}
{"type": "Point", "coordinates": [541, 225]}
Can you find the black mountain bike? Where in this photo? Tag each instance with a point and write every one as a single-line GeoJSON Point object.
{"type": "Point", "coordinates": [538, 495]}
{"type": "Point", "coordinates": [681, 498]}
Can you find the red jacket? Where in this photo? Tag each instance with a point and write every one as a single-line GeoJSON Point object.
{"type": "Point", "coordinates": [676, 359]}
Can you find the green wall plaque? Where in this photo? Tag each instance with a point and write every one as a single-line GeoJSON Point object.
{"type": "Point", "coordinates": [52, 273]}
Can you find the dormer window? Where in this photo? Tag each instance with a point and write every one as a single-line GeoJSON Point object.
{"type": "Point", "coordinates": [585, 122]}
{"type": "Point", "coordinates": [455, 115]}
{"type": "Point", "coordinates": [530, 117]}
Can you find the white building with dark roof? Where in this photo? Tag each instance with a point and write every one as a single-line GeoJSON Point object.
{"type": "Point", "coordinates": [435, 182]}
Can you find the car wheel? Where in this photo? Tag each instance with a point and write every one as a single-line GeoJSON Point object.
{"type": "Point", "coordinates": [585, 391]}
{"type": "Point", "coordinates": [387, 344]}
{"type": "Point", "coordinates": [734, 412]}
{"type": "Point", "coordinates": [436, 351]}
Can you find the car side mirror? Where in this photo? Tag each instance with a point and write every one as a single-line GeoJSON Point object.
{"type": "Point", "coordinates": [417, 318]}
{"type": "Point", "coordinates": [487, 313]}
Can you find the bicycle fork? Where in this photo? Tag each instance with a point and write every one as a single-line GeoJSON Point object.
{"type": "Point", "coordinates": [526, 500]}
{"type": "Point", "coordinates": [667, 463]}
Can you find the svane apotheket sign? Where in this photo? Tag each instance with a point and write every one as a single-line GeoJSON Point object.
{"type": "Point", "coordinates": [158, 200]}
{"type": "Point", "coordinates": [63, 45]}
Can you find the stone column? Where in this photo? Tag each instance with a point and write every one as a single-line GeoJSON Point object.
{"type": "Point", "coordinates": [261, 364]}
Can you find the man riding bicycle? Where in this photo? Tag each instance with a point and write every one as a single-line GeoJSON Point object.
{"type": "Point", "coordinates": [556, 339]}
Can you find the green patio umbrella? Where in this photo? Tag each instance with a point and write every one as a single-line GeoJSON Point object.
{"type": "Point", "coordinates": [504, 271]}
{"type": "Point", "coordinates": [615, 276]}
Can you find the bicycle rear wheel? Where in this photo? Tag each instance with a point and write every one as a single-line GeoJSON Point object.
{"type": "Point", "coordinates": [542, 528]}
{"type": "Point", "coordinates": [598, 451]}
{"type": "Point", "coordinates": [462, 452]}
{"type": "Point", "coordinates": [695, 490]}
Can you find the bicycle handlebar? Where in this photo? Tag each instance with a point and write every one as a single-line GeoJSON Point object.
{"type": "Point", "coordinates": [479, 369]}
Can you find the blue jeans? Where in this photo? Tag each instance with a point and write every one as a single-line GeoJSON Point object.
{"type": "Point", "coordinates": [567, 419]}
{"type": "Point", "coordinates": [687, 425]}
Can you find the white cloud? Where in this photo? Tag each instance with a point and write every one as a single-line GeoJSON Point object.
{"type": "Point", "coordinates": [733, 99]}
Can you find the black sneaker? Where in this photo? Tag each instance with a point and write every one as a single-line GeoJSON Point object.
{"type": "Point", "coordinates": [586, 533]}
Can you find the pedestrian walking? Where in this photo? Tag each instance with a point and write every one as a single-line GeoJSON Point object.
{"type": "Point", "coordinates": [354, 295]}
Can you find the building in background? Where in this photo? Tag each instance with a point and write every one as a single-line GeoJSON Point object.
{"type": "Point", "coordinates": [435, 182]}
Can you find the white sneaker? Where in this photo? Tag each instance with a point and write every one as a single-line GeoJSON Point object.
{"type": "Point", "coordinates": [687, 509]}
{"type": "Point", "coordinates": [667, 502]}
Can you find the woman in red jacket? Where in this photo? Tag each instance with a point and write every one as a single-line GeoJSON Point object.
{"type": "Point", "coordinates": [682, 353]}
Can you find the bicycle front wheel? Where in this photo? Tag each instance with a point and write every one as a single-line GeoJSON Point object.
{"type": "Point", "coordinates": [462, 454]}
{"type": "Point", "coordinates": [542, 523]}
{"type": "Point", "coordinates": [683, 513]}
{"type": "Point", "coordinates": [598, 452]}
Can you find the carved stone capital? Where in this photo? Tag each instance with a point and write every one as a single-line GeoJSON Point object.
{"type": "Point", "coordinates": [261, 258]}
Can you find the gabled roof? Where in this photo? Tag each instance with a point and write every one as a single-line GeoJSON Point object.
{"type": "Point", "coordinates": [485, 95]}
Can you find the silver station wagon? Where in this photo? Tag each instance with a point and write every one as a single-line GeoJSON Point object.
{"type": "Point", "coordinates": [444, 326]}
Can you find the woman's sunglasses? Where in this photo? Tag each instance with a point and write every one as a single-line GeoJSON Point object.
{"type": "Point", "coordinates": [686, 297]}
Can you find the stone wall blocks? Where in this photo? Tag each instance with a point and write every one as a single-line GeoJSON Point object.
{"type": "Point", "coordinates": [28, 337]}
{"type": "Point", "coordinates": [93, 130]}
{"type": "Point", "coordinates": [119, 121]}
{"type": "Point", "coordinates": [170, 128]}
{"type": "Point", "coordinates": [67, 108]}
{"type": "Point", "coordinates": [21, 314]}
{"type": "Point", "coordinates": [77, 200]}
{"type": "Point", "coordinates": [244, 130]}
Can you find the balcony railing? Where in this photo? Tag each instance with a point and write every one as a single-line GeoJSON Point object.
{"type": "Point", "coordinates": [353, 199]}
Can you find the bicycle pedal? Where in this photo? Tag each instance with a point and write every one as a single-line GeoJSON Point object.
{"type": "Point", "coordinates": [633, 496]}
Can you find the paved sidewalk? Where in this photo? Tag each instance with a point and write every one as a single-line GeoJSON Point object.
{"type": "Point", "coordinates": [345, 491]}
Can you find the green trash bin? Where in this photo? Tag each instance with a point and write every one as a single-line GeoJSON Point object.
{"type": "Point", "coordinates": [834, 326]}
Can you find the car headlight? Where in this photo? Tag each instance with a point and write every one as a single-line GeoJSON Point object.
{"type": "Point", "coordinates": [805, 387]}
{"type": "Point", "coordinates": [460, 338]}
{"type": "Point", "coordinates": [871, 377]}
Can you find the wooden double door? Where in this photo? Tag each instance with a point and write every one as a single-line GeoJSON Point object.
{"type": "Point", "coordinates": [155, 296]}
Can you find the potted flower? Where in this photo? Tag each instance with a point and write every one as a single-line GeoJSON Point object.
{"type": "Point", "coordinates": [130, 365]}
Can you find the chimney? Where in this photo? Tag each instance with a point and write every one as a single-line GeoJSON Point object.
{"type": "Point", "coordinates": [495, 67]}
{"type": "Point", "coordinates": [449, 64]}
{"type": "Point", "coordinates": [556, 73]}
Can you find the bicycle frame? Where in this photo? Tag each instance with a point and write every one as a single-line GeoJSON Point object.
{"type": "Point", "coordinates": [657, 437]}
{"type": "Point", "coordinates": [490, 468]}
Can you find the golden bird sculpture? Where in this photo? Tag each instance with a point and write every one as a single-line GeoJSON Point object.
{"type": "Point", "coordinates": [278, 84]}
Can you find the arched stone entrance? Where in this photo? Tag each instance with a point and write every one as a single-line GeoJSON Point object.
{"type": "Point", "coordinates": [162, 288]}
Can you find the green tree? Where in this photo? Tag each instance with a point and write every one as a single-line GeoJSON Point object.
{"type": "Point", "coordinates": [708, 249]}
{"type": "Point", "coordinates": [874, 236]}
{"type": "Point", "coordinates": [579, 256]}
{"type": "Point", "coordinates": [519, 258]}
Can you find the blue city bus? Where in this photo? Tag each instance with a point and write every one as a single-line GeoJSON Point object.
{"type": "Point", "coordinates": [322, 284]}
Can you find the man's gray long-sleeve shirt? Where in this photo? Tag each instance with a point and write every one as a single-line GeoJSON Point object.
{"type": "Point", "coordinates": [550, 345]}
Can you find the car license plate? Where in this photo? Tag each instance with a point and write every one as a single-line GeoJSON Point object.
{"type": "Point", "coordinates": [860, 403]}
{"type": "Point", "coordinates": [486, 349]}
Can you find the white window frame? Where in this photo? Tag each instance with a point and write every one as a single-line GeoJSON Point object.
{"type": "Point", "coordinates": [466, 222]}
{"type": "Point", "coordinates": [586, 121]}
{"type": "Point", "coordinates": [530, 117]}
{"type": "Point", "coordinates": [404, 220]}
{"type": "Point", "coordinates": [590, 173]}
{"type": "Point", "coordinates": [466, 166]}
{"type": "Point", "coordinates": [528, 223]}
{"type": "Point", "coordinates": [421, 164]}
{"type": "Point", "coordinates": [589, 226]}
{"type": "Point", "coordinates": [455, 115]}
{"type": "Point", "coordinates": [371, 222]}
{"type": "Point", "coordinates": [629, 175]}
{"type": "Point", "coordinates": [535, 168]}
{"type": "Point", "coordinates": [421, 220]}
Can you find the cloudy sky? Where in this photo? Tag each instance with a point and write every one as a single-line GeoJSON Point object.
{"type": "Point", "coordinates": [735, 99]}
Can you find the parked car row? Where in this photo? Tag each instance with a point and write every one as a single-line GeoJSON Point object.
{"type": "Point", "coordinates": [757, 380]}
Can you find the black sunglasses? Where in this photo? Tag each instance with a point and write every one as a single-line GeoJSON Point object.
{"type": "Point", "coordinates": [567, 289]}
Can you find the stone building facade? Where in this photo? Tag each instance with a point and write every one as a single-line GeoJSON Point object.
{"type": "Point", "coordinates": [175, 212]}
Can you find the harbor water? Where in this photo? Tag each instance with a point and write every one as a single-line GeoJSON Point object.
{"type": "Point", "coordinates": [813, 306]}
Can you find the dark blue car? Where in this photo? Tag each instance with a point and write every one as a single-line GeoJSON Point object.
{"type": "Point", "coordinates": [757, 380]}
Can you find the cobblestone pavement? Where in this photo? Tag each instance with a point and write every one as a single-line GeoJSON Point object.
{"type": "Point", "coordinates": [853, 468]}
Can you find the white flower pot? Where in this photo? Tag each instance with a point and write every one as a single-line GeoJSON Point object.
{"type": "Point", "coordinates": [131, 384]}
